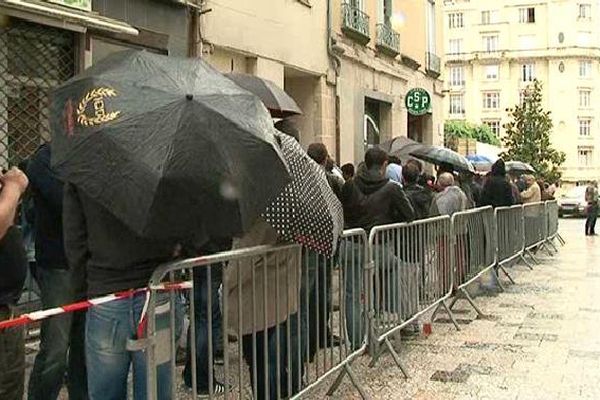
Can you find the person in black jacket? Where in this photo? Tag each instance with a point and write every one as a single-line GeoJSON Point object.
{"type": "Point", "coordinates": [61, 337]}
{"type": "Point", "coordinates": [497, 191]}
{"type": "Point", "coordinates": [114, 259]}
{"type": "Point", "coordinates": [370, 199]}
{"type": "Point", "coordinates": [13, 269]}
{"type": "Point", "coordinates": [419, 197]}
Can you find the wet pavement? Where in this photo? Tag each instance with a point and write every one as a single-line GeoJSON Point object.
{"type": "Point", "coordinates": [540, 341]}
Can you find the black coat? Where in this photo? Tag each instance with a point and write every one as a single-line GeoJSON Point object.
{"type": "Point", "coordinates": [420, 198]}
{"type": "Point", "coordinates": [47, 190]}
{"type": "Point", "coordinates": [497, 192]}
{"type": "Point", "coordinates": [370, 199]}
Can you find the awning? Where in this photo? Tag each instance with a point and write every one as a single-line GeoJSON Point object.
{"type": "Point", "coordinates": [63, 17]}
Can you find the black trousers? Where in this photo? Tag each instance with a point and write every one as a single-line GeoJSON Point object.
{"type": "Point", "coordinates": [590, 222]}
{"type": "Point", "coordinates": [12, 360]}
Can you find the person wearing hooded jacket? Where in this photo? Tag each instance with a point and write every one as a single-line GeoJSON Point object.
{"type": "Point", "coordinates": [370, 199]}
{"type": "Point", "coordinates": [497, 191]}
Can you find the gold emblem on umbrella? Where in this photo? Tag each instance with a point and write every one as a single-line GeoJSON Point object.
{"type": "Point", "coordinates": [96, 98]}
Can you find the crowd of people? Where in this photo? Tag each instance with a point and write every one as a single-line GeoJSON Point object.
{"type": "Point", "coordinates": [83, 251]}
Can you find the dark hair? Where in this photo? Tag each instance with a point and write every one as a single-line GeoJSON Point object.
{"type": "Point", "coordinates": [375, 157]}
{"type": "Point", "coordinates": [288, 127]}
{"type": "Point", "coordinates": [348, 169]}
{"type": "Point", "coordinates": [416, 163]}
{"type": "Point", "coordinates": [329, 164]}
{"type": "Point", "coordinates": [394, 160]}
{"type": "Point", "coordinates": [410, 173]}
{"type": "Point", "coordinates": [318, 152]}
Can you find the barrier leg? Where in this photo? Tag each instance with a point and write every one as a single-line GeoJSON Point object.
{"type": "Point", "coordinates": [480, 314]}
{"type": "Point", "coordinates": [530, 254]}
{"type": "Point", "coordinates": [347, 370]}
{"type": "Point", "coordinates": [551, 243]}
{"type": "Point", "coordinates": [501, 268]}
{"type": "Point", "coordinates": [448, 311]}
{"type": "Point", "coordinates": [560, 239]}
{"type": "Point", "coordinates": [525, 261]}
{"type": "Point", "coordinates": [387, 345]}
{"type": "Point", "coordinates": [497, 275]}
{"type": "Point", "coordinates": [544, 246]}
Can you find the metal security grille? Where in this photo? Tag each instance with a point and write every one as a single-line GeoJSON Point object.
{"type": "Point", "coordinates": [34, 59]}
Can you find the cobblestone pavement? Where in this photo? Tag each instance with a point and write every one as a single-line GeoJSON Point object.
{"type": "Point", "coordinates": [541, 340]}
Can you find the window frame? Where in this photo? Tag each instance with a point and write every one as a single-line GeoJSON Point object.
{"type": "Point", "coordinates": [526, 72]}
{"type": "Point", "coordinates": [461, 75]}
{"type": "Point", "coordinates": [454, 105]}
{"type": "Point", "coordinates": [527, 15]}
{"type": "Point", "coordinates": [584, 125]}
{"type": "Point", "coordinates": [585, 97]}
{"type": "Point", "coordinates": [459, 47]}
{"type": "Point", "coordinates": [588, 153]}
{"type": "Point", "coordinates": [492, 38]}
{"type": "Point", "coordinates": [584, 11]}
{"type": "Point", "coordinates": [456, 20]}
{"type": "Point", "coordinates": [491, 100]}
{"type": "Point", "coordinates": [487, 76]}
{"type": "Point", "coordinates": [495, 126]}
{"type": "Point", "coordinates": [587, 69]}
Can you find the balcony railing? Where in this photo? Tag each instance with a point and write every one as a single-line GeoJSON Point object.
{"type": "Point", "coordinates": [355, 23]}
{"type": "Point", "coordinates": [388, 40]}
{"type": "Point", "coordinates": [434, 64]}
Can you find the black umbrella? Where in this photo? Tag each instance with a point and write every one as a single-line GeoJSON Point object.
{"type": "Point", "coordinates": [278, 102]}
{"type": "Point", "coordinates": [400, 146]}
{"type": "Point", "coordinates": [167, 145]}
{"type": "Point", "coordinates": [441, 155]}
{"type": "Point", "coordinates": [306, 211]}
{"type": "Point", "coordinates": [519, 167]}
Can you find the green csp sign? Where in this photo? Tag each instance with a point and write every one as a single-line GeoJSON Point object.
{"type": "Point", "coordinates": [417, 101]}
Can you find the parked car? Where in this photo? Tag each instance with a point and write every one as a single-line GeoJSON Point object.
{"type": "Point", "coordinates": [573, 202]}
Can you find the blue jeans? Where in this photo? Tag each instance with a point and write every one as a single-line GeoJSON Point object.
{"type": "Point", "coordinates": [109, 327]}
{"type": "Point", "coordinates": [201, 283]}
{"type": "Point", "coordinates": [61, 339]}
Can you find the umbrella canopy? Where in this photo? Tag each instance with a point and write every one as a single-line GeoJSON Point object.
{"type": "Point", "coordinates": [442, 155]}
{"type": "Point", "coordinates": [306, 211]}
{"type": "Point", "coordinates": [400, 146]}
{"type": "Point", "coordinates": [480, 162]}
{"type": "Point", "coordinates": [167, 145]}
{"type": "Point", "coordinates": [519, 167]}
{"type": "Point", "coordinates": [278, 102]}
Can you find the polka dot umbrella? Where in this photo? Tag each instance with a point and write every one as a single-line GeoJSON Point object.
{"type": "Point", "coordinates": [306, 211]}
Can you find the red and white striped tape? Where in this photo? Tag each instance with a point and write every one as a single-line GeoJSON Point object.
{"type": "Point", "coordinates": [85, 304]}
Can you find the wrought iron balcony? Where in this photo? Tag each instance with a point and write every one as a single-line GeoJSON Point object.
{"type": "Point", "coordinates": [434, 65]}
{"type": "Point", "coordinates": [355, 23]}
{"type": "Point", "coordinates": [388, 40]}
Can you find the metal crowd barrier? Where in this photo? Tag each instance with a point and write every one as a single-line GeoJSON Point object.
{"type": "Point", "coordinates": [552, 212]}
{"type": "Point", "coordinates": [290, 318]}
{"type": "Point", "coordinates": [411, 274]}
{"type": "Point", "coordinates": [535, 227]}
{"type": "Point", "coordinates": [510, 237]}
{"type": "Point", "coordinates": [474, 246]}
{"type": "Point", "coordinates": [278, 303]}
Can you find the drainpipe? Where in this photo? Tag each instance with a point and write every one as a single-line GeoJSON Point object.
{"type": "Point", "coordinates": [336, 63]}
{"type": "Point", "coordinates": [196, 40]}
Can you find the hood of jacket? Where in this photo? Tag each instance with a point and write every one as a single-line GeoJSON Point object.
{"type": "Point", "coordinates": [369, 180]}
{"type": "Point", "coordinates": [498, 168]}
